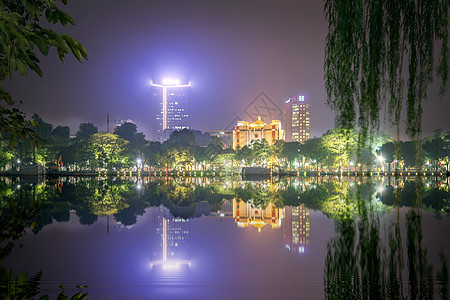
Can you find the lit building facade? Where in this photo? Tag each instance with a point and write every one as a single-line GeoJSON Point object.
{"type": "Point", "coordinates": [297, 119]}
{"type": "Point", "coordinates": [170, 239]}
{"type": "Point", "coordinates": [296, 227]}
{"type": "Point", "coordinates": [244, 133]}
{"type": "Point", "coordinates": [171, 108]}
{"type": "Point", "coordinates": [245, 214]}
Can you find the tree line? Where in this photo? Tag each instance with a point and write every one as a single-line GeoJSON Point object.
{"type": "Point", "coordinates": [127, 149]}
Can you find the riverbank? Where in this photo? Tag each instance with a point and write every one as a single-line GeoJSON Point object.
{"type": "Point", "coordinates": [223, 173]}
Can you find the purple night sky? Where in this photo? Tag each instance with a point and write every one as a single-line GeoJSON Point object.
{"type": "Point", "coordinates": [229, 51]}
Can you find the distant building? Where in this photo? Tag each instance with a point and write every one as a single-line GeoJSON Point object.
{"type": "Point", "coordinates": [296, 227]}
{"type": "Point", "coordinates": [297, 119]}
{"type": "Point", "coordinates": [171, 108]}
{"type": "Point", "coordinates": [245, 214]}
{"type": "Point", "coordinates": [226, 135]}
{"type": "Point", "coordinates": [118, 123]}
{"type": "Point", "coordinates": [244, 133]}
{"type": "Point", "coordinates": [170, 239]}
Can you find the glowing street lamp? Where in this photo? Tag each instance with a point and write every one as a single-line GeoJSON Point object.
{"type": "Point", "coordinates": [138, 163]}
{"type": "Point", "coordinates": [380, 159]}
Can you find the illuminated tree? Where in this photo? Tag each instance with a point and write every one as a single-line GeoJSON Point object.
{"type": "Point", "coordinates": [341, 145]}
{"type": "Point", "coordinates": [107, 150]}
{"type": "Point", "coordinates": [261, 151]}
{"type": "Point", "coordinates": [290, 151]}
{"type": "Point", "coordinates": [314, 150]}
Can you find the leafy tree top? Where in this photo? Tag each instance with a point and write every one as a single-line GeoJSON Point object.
{"type": "Point", "coordinates": [22, 37]}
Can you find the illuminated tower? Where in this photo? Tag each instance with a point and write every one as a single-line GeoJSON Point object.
{"type": "Point", "coordinates": [296, 226]}
{"type": "Point", "coordinates": [296, 119]}
{"type": "Point", "coordinates": [171, 108]}
{"type": "Point", "coordinates": [170, 242]}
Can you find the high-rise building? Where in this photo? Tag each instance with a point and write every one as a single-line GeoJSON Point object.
{"type": "Point", "coordinates": [244, 133]}
{"type": "Point", "coordinates": [297, 119]}
{"type": "Point", "coordinates": [171, 108]}
{"type": "Point", "coordinates": [296, 227]}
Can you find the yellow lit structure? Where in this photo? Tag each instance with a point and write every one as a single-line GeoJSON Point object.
{"type": "Point", "coordinates": [245, 214]}
{"type": "Point", "coordinates": [297, 119]}
{"type": "Point", "coordinates": [244, 133]}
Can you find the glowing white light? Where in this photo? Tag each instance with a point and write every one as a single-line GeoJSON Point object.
{"type": "Point", "coordinates": [301, 249]}
{"type": "Point", "coordinates": [380, 159]}
{"type": "Point", "coordinates": [301, 98]}
{"type": "Point", "coordinates": [380, 189]}
{"type": "Point", "coordinates": [170, 81]}
{"type": "Point", "coordinates": [171, 266]}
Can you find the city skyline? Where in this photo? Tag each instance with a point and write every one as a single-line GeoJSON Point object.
{"type": "Point", "coordinates": [227, 63]}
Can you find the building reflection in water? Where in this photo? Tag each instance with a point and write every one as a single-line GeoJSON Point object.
{"type": "Point", "coordinates": [170, 240]}
{"type": "Point", "coordinates": [245, 214]}
{"type": "Point", "coordinates": [296, 226]}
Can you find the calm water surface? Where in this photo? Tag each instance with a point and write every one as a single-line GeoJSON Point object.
{"type": "Point", "coordinates": [224, 238]}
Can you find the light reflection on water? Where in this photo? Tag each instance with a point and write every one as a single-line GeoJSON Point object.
{"type": "Point", "coordinates": [271, 239]}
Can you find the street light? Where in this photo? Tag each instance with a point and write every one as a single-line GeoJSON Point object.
{"type": "Point", "coordinates": [380, 159]}
{"type": "Point", "coordinates": [138, 162]}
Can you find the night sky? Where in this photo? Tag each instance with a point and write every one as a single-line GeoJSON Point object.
{"type": "Point", "coordinates": [229, 51]}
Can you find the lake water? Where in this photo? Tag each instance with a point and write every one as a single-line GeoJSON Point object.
{"type": "Point", "coordinates": [225, 238]}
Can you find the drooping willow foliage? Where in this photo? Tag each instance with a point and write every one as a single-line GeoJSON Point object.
{"type": "Point", "coordinates": [384, 53]}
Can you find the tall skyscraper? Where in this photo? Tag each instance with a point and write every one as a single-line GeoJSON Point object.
{"type": "Point", "coordinates": [297, 119]}
{"type": "Point", "coordinates": [171, 108]}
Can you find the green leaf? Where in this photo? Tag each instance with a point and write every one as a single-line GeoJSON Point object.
{"type": "Point", "coordinates": [45, 297]}
{"type": "Point", "coordinates": [76, 296]}
{"type": "Point", "coordinates": [22, 68]}
{"type": "Point", "coordinates": [55, 17]}
{"type": "Point", "coordinates": [41, 44]}
{"type": "Point", "coordinates": [49, 15]}
{"type": "Point", "coordinates": [84, 296]}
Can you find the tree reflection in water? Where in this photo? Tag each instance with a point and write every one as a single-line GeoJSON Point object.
{"type": "Point", "coordinates": [361, 264]}
{"type": "Point", "coordinates": [368, 258]}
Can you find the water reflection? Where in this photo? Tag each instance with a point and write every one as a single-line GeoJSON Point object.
{"type": "Point", "coordinates": [296, 228]}
{"type": "Point", "coordinates": [380, 248]}
{"type": "Point", "coordinates": [364, 262]}
{"type": "Point", "coordinates": [170, 240]}
{"type": "Point", "coordinates": [248, 214]}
